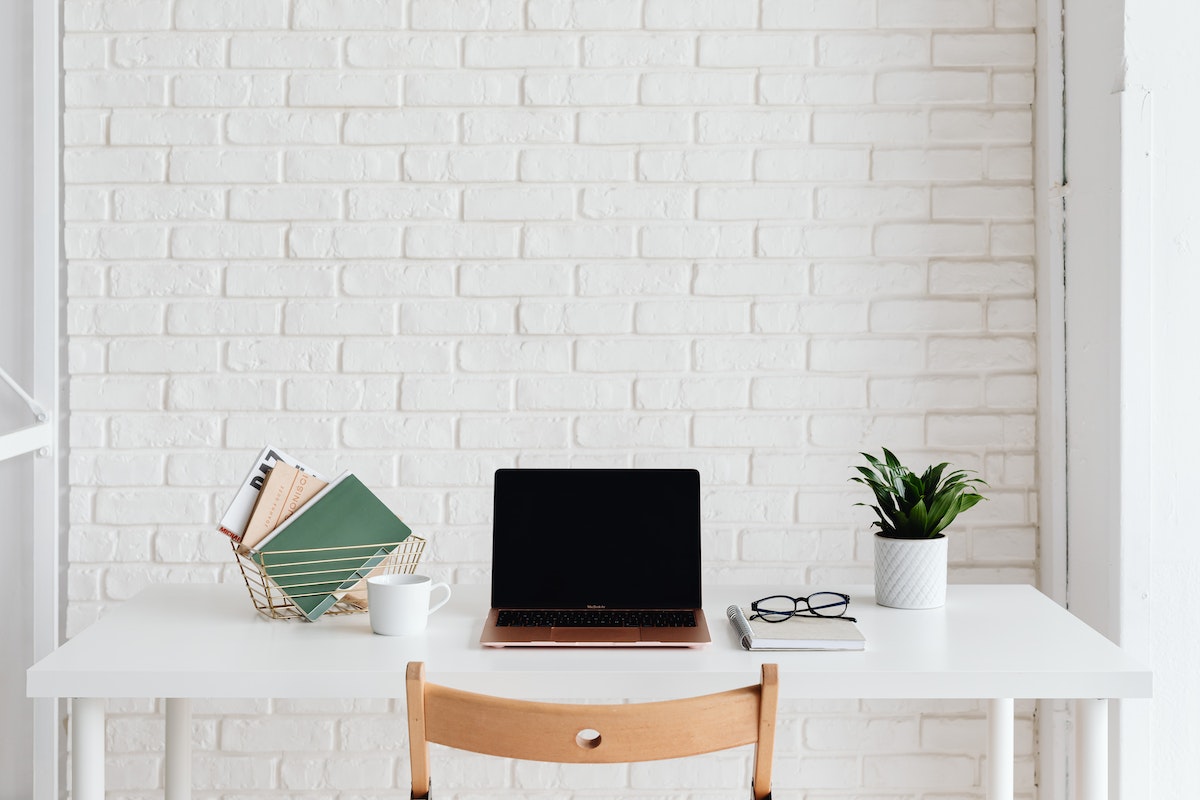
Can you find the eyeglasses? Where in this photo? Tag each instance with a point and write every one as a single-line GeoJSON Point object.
{"type": "Point", "coordinates": [780, 607]}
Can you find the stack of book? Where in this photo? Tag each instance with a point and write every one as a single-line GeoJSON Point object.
{"type": "Point", "coordinates": [314, 538]}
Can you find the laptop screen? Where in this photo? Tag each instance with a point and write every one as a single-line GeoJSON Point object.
{"type": "Point", "coordinates": [616, 538]}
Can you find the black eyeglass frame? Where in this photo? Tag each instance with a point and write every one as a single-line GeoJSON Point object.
{"type": "Point", "coordinates": [809, 609]}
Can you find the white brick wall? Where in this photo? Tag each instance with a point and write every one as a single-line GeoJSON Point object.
{"type": "Point", "coordinates": [430, 238]}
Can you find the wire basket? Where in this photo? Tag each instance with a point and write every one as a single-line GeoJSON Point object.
{"type": "Point", "coordinates": [274, 603]}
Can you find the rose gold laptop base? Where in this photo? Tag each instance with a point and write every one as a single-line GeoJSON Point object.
{"type": "Point", "coordinates": [496, 636]}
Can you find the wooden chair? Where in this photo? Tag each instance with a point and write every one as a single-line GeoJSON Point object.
{"type": "Point", "coordinates": [592, 734]}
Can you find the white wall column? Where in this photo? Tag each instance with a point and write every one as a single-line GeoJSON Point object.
{"type": "Point", "coordinates": [1163, 62]}
{"type": "Point", "coordinates": [30, 261]}
{"type": "Point", "coordinates": [1108, 257]}
{"type": "Point", "coordinates": [46, 535]}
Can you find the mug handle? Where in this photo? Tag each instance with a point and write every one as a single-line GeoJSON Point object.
{"type": "Point", "coordinates": [444, 600]}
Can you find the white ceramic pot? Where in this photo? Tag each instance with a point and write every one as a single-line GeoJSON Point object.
{"type": "Point", "coordinates": [910, 573]}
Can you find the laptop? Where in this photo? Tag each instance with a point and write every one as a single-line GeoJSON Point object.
{"type": "Point", "coordinates": [596, 557]}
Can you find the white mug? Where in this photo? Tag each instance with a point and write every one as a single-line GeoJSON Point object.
{"type": "Point", "coordinates": [399, 604]}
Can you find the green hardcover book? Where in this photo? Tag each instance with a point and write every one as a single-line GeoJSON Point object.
{"type": "Point", "coordinates": [331, 543]}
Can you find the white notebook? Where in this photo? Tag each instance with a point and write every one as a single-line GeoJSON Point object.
{"type": "Point", "coordinates": [796, 633]}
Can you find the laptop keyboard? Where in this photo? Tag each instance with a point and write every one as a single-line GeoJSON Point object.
{"type": "Point", "coordinates": [522, 618]}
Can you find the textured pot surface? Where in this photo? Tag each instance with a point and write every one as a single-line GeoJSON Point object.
{"type": "Point", "coordinates": [910, 573]}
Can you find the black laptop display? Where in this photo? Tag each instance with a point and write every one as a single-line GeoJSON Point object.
{"type": "Point", "coordinates": [596, 541]}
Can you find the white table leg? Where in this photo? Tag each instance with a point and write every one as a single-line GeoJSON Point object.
{"type": "Point", "coordinates": [87, 748]}
{"type": "Point", "coordinates": [179, 749]}
{"type": "Point", "coordinates": [1091, 749]}
{"type": "Point", "coordinates": [1000, 749]}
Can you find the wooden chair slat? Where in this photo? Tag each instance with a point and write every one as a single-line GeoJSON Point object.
{"type": "Point", "coordinates": [596, 734]}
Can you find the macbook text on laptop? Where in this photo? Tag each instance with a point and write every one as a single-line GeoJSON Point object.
{"type": "Point", "coordinates": [596, 557]}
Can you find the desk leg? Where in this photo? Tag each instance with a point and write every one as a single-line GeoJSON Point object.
{"type": "Point", "coordinates": [1000, 749]}
{"type": "Point", "coordinates": [179, 749]}
{"type": "Point", "coordinates": [87, 748]}
{"type": "Point", "coordinates": [1091, 749]}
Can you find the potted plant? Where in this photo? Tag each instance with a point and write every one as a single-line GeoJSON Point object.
{"type": "Point", "coordinates": [913, 511]}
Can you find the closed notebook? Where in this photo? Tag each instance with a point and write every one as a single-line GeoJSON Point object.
{"type": "Point", "coordinates": [796, 633]}
{"type": "Point", "coordinates": [331, 543]}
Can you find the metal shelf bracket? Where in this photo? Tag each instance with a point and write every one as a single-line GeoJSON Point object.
{"type": "Point", "coordinates": [36, 437]}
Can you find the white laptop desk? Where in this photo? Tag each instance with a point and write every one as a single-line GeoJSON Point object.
{"type": "Point", "coordinates": [180, 642]}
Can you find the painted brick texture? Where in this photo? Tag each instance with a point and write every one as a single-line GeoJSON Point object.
{"type": "Point", "coordinates": [430, 238]}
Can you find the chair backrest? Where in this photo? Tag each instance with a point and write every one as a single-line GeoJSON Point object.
{"type": "Point", "coordinates": [595, 734]}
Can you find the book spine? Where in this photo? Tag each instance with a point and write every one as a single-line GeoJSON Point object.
{"type": "Point", "coordinates": [738, 619]}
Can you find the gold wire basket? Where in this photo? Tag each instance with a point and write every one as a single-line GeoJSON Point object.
{"type": "Point", "coordinates": [317, 564]}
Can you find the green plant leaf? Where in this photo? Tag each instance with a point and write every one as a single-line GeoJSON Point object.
{"type": "Point", "coordinates": [931, 479]}
{"type": "Point", "coordinates": [944, 503]}
{"type": "Point", "coordinates": [919, 518]}
{"type": "Point", "coordinates": [875, 462]}
{"type": "Point", "coordinates": [870, 479]}
{"type": "Point", "coordinates": [968, 500]}
{"type": "Point", "coordinates": [913, 490]}
{"type": "Point", "coordinates": [961, 504]}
